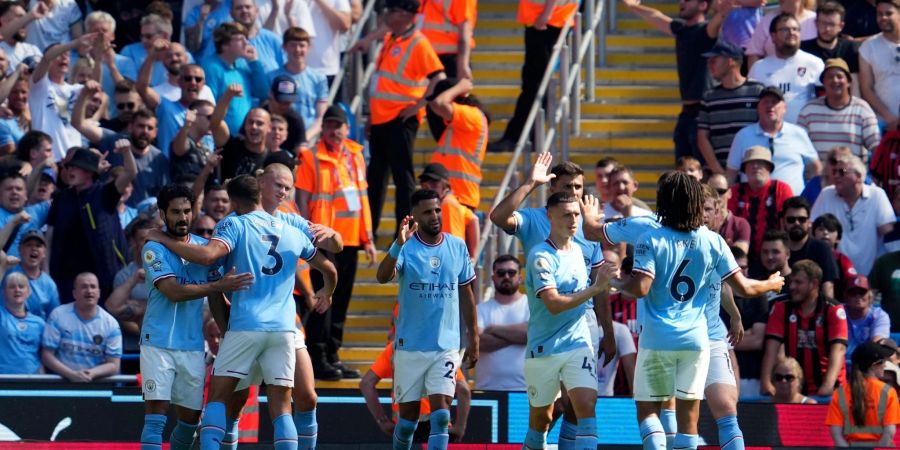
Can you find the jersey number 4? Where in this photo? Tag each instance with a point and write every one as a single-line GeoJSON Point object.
{"type": "Point", "coordinates": [682, 279]}
{"type": "Point", "coordinates": [279, 262]}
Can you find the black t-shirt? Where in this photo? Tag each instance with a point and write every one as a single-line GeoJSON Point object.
{"type": "Point", "coordinates": [820, 253]}
{"type": "Point", "coordinates": [845, 49]}
{"type": "Point", "coordinates": [237, 160]}
{"type": "Point", "coordinates": [190, 163]}
{"type": "Point", "coordinates": [753, 310]}
{"type": "Point", "coordinates": [859, 20]}
{"type": "Point", "coordinates": [296, 130]}
{"type": "Point", "coordinates": [690, 43]}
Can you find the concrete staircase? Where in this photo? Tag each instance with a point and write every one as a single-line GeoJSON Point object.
{"type": "Point", "coordinates": [632, 120]}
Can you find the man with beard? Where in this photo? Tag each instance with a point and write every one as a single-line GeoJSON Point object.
{"type": "Point", "coordinates": [774, 253]}
{"type": "Point", "coordinates": [245, 151]}
{"type": "Point", "coordinates": [829, 43]}
{"type": "Point", "coordinates": [792, 70]}
{"type": "Point", "coordinates": [503, 330]}
{"type": "Point", "coordinates": [796, 222]}
{"type": "Point", "coordinates": [191, 80]}
{"type": "Point", "coordinates": [694, 36]}
{"type": "Point", "coordinates": [13, 21]}
{"type": "Point", "coordinates": [13, 198]}
{"type": "Point", "coordinates": [172, 358]}
{"type": "Point", "coordinates": [879, 82]}
{"type": "Point", "coordinates": [809, 328]}
{"type": "Point", "coordinates": [435, 276]}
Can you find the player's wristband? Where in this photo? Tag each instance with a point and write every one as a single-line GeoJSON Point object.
{"type": "Point", "coordinates": [394, 251]}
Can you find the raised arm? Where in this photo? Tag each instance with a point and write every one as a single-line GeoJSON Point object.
{"type": "Point", "coordinates": [194, 34]}
{"type": "Point", "coordinates": [142, 85]}
{"type": "Point", "coordinates": [502, 215]}
{"type": "Point", "coordinates": [652, 16]}
{"type": "Point", "coordinates": [86, 41]}
{"type": "Point", "coordinates": [87, 128]}
{"type": "Point", "coordinates": [387, 269]}
{"type": "Point", "coordinates": [217, 120]}
{"type": "Point", "coordinates": [747, 288]}
{"type": "Point", "coordinates": [442, 105]}
{"type": "Point", "coordinates": [123, 147]}
{"type": "Point", "coordinates": [339, 21]}
{"type": "Point", "coordinates": [38, 11]}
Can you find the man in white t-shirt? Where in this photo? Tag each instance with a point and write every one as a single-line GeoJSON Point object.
{"type": "Point", "coordinates": [792, 70]}
{"type": "Point", "coordinates": [281, 20]}
{"type": "Point", "coordinates": [502, 328]}
{"type": "Point", "coordinates": [879, 70]}
{"type": "Point", "coordinates": [51, 98]}
{"type": "Point", "coordinates": [330, 19]}
{"type": "Point", "coordinates": [13, 31]}
{"type": "Point", "coordinates": [626, 354]}
{"type": "Point", "coordinates": [61, 24]}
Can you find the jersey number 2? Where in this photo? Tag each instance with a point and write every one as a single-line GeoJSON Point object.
{"type": "Point", "coordinates": [681, 278]}
{"type": "Point", "coordinates": [279, 262]}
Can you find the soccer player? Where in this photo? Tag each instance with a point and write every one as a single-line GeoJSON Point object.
{"type": "Point", "coordinates": [675, 266]}
{"type": "Point", "coordinates": [559, 349]}
{"type": "Point", "coordinates": [435, 275]}
{"type": "Point", "coordinates": [532, 227]}
{"type": "Point", "coordinates": [172, 353]}
{"type": "Point", "coordinates": [261, 328]}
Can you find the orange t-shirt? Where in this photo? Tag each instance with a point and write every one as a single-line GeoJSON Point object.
{"type": "Point", "coordinates": [873, 394]}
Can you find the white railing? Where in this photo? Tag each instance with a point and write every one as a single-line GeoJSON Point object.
{"type": "Point", "coordinates": [580, 47]}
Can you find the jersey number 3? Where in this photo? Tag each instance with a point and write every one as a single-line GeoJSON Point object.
{"type": "Point", "coordinates": [682, 279]}
{"type": "Point", "coordinates": [279, 262]}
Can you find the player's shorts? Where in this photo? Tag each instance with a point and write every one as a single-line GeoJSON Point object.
{"type": "Point", "coordinates": [173, 375]}
{"type": "Point", "coordinates": [591, 319]}
{"type": "Point", "coordinates": [720, 369]}
{"type": "Point", "coordinates": [273, 351]}
{"type": "Point", "coordinates": [417, 374]}
{"type": "Point", "coordinates": [299, 340]}
{"type": "Point", "coordinates": [661, 374]}
{"type": "Point", "coordinates": [255, 378]}
{"type": "Point", "coordinates": [575, 369]}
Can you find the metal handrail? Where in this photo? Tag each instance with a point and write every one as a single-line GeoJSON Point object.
{"type": "Point", "coordinates": [568, 104]}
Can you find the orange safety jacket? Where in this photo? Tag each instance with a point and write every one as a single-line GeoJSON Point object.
{"type": "Point", "coordinates": [563, 11]}
{"type": "Point", "coordinates": [440, 21]}
{"type": "Point", "coordinates": [455, 216]}
{"type": "Point", "coordinates": [401, 75]}
{"type": "Point", "coordinates": [337, 182]}
{"type": "Point", "coordinates": [461, 150]}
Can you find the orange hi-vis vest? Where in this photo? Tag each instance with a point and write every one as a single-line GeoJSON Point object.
{"type": "Point", "coordinates": [461, 150]}
{"type": "Point", "coordinates": [337, 182]}
{"type": "Point", "coordinates": [401, 75]}
{"type": "Point", "coordinates": [455, 216]}
{"type": "Point", "coordinates": [440, 21]}
{"type": "Point", "coordinates": [563, 12]}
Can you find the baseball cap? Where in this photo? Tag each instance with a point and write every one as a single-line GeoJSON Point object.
{"type": "Point", "coordinates": [335, 112]}
{"type": "Point", "coordinates": [835, 62]}
{"type": "Point", "coordinates": [48, 172]}
{"type": "Point", "coordinates": [33, 234]}
{"type": "Point", "coordinates": [758, 153]}
{"type": "Point", "coordinates": [435, 172]}
{"type": "Point", "coordinates": [858, 283]}
{"type": "Point", "coordinates": [773, 91]}
{"type": "Point", "coordinates": [284, 89]}
{"type": "Point", "coordinates": [868, 354]}
{"type": "Point", "coordinates": [724, 48]}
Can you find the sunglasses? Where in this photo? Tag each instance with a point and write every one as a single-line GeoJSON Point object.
{"type": "Point", "coordinates": [504, 273]}
{"type": "Point", "coordinates": [840, 172]}
{"type": "Point", "coordinates": [798, 219]}
{"type": "Point", "coordinates": [722, 191]}
{"type": "Point", "coordinates": [789, 378]}
{"type": "Point", "coordinates": [124, 106]}
{"type": "Point", "coordinates": [204, 231]}
{"type": "Point", "coordinates": [188, 79]}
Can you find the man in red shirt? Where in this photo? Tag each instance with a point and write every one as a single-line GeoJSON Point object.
{"type": "Point", "coordinates": [812, 329]}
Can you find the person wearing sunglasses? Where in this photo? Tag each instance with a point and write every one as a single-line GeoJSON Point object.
{"type": "Point", "coordinates": [735, 229]}
{"type": "Point", "coordinates": [788, 378]}
{"type": "Point", "coordinates": [865, 412]}
{"type": "Point", "coordinates": [796, 222]}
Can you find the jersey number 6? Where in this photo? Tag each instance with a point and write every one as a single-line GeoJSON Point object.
{"type": "Point", "coordinates": [279, 262]}
{"type": "Point", "coordinates": [680, 278]}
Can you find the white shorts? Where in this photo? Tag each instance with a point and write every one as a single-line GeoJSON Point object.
{"type": "Point", "coordinates": [661, 374]}
{"type": "Point", "coordinates": [720, 369]}
{"type": "Point", "coordinates": [272, 351]}
{"type": "Point", "coordinates": [417, 374]}
{"type": "Point", "coordinates": [173, 375]}
{"type": "Point", "coordinates": [574, 368]}
{"type": "Point", "coordinates": [255, 378]}
{"type": "Point", "coordinates": [593, 327]}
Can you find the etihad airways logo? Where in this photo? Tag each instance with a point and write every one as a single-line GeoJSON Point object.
{"type": "Point", "coordinates": [432, 286]}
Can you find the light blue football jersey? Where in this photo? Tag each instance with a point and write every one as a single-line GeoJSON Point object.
{"type": "Point", "coordinates": [168, 324]}
{"type": "Point", "coordinates": [533, 228]}
{"type": "Point", "coordinates": [79, 344]}
{"type": "Point", "coordinates": [682, 265]}
{"type": "Point", "coordinates": [430, 277]}
{"type": "Point", "coordinates": [629, 230]}
{"type": "Point", "coordinates": [548, 267]}
{"type": "Point", "coordinates": [20, 343]}
{"type": "Point", "coordinates": [267, 247]}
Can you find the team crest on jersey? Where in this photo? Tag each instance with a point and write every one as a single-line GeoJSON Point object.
{"type": "Point", "coordinates": [819, 321]}
{"type": "Point", "coordinates": [801, 71]}
{"type": "Point", "coordinates": [793, 318]}
{"type": "Point", "coordinates": [149, 385]}
{"type": "Point", "coordinates": [841, 314]}
{"type": "Point", "coordinates": [149, 256]}
{"type": "Point", "coordinates": [22, 326]}
{"type": "Point", "coordinates": [434, 262]}
{"type": "Point", "coordinates": [852, 270]}
{"type": "Point", "coordinates": [532, 391]}
{"type": "Point", "coordinates": [97, 339]}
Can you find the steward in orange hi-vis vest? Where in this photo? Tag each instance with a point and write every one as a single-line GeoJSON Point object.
{"type": "Point", "coordinates": [460, 126]}
{"type": "Point", "coordinates": [401, 75]}
{"type": "Point", "coordinates": [448, 25]}
{"type": "Point", "coordinates": [562, 12]}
